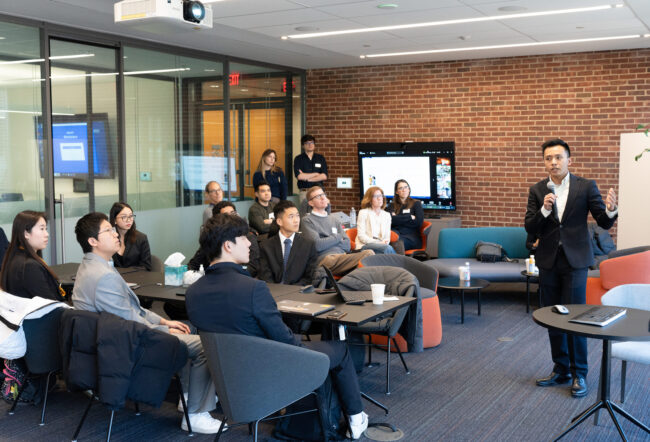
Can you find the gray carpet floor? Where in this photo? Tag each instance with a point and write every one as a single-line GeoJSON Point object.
{"type": "Point", "coordinates": [478, 385]}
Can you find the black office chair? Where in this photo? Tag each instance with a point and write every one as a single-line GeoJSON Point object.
{"type": "Point", "coordinates": [42, 356]}
{"type": "Point", "coordinates": [89, 362]}
{"type": "Point", "coordinates": [398, 282]}
{"type": "Point", "coordinates": [255, 377]}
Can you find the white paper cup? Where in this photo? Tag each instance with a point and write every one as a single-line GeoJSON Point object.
{"type": "Point", "coordinates": [462, 273]}
{"type": "Point", "coordinates": [377, 293]}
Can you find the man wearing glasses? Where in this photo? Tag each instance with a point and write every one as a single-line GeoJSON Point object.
{"type": "Point", "coordinates": [98, 287]}
{"type": "Point", "coordinates": [309, 167]}
{"type": "Point", "coordinates": [214, 195]}
{"type": "Point", "coordinates": [332, 244]}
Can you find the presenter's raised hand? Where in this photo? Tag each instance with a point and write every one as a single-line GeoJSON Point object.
{"type": "Point", "coordinates": [610, 201]}
{"type": "Point", "coordinates": [549, 200]}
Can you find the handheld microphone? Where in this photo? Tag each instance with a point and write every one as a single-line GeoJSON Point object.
{"type": "Point", "coordinates": [551, 186]}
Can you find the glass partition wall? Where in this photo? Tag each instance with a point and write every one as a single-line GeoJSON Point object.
{"type": "Point", "coordinates": [98, 120]}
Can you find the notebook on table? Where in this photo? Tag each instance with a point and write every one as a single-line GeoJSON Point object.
{"type": "Point", "coordinates": [600, 316]}
{"type": "Point", "coordinates": [302, 307]}
{"type": "Point", "coordinates": [347, 295]}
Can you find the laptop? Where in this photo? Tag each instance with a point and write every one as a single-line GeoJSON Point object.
{"type": "Point", "coordinates": [350, 297]}
{"type": "Point", "coordinates": [600, 316]}
{"type": "Point", "coordinates": [305, 308]}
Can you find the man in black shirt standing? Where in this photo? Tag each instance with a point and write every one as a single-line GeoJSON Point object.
{"type": "Point", "coordinates": [309, 167]}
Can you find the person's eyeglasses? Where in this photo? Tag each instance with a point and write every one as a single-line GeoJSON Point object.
{"type": "Point", "coordinates": [112, 229]}
{"type": "Point", "coordinates": [379, 196]}
{"type": "Point", "coordinates": [402, 187]}
{"type": "Point", "coordinates": [215, 191]}
{"type": "Point", "coordinates": [126, 218]}
{"type": "Point", "coordinates": [320, 195]}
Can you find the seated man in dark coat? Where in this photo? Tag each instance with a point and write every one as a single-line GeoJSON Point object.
{"type": "Point", "coordinates": [288, 257]}
{"type": "Point", "coordinates": [228, 300]}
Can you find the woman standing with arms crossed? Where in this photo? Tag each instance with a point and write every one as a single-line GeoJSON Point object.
{"type": "Point", "coordinates": [134, 245]}
{"type": "Point", "coordinates": [24, 273]}
{"type": "Point", "coordinates": [268, 171]}
{"type": "Point", "coordinates": [407, 216]}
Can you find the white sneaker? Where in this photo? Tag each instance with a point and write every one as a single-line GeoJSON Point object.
{"type": "Point", "coordinates": [358, 424]}
{"type": "Point", "coordinates": [203, 423]}
{"type": "Point", "coordinates": [186, 396]}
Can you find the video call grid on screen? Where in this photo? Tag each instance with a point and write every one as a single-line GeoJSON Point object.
{"type": "Point", "coordinates": [428, 168]}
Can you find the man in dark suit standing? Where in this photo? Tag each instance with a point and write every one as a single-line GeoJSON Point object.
{"type": "Point", "coordinates": [557, 212]}
{"type": "Point", "coordinates": [288, 257]}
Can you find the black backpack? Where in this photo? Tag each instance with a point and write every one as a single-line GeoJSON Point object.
{"type": "Point", "coordinates": [307, 427]}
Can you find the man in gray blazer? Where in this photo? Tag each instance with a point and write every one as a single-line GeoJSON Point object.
{"type": "Point", "coordinates": [99, 287]}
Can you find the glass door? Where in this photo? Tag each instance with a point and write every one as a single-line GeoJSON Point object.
{"type": "Point", "coordinates": [84, 135]}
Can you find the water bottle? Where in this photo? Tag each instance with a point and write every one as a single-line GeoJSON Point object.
{"type": "Point", "coordinates": [468, 275]}
{"type": "Point", "coordinates": [353, 218]}
{"type": "Point", "coordinates": [201, 270]}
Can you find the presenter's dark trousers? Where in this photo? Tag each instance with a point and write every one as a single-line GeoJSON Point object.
{"type": "Point", "coordinates": [342, 372]}
{"type": "Point", "coordinates": [564, 285]}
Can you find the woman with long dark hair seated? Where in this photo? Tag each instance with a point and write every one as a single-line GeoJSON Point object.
{"type": "Point", "coordinates": [134, 245]}
{"type": "Point", "coordinates": [269, 171]}
{"type": "Point", "coordinates": [407, 216]}
{"type": "Point", "coordinates": [24, 273]}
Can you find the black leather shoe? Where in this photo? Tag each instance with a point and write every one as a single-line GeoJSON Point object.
{"type": "Point", "coordinates": [553, 379]}
{"type": "Point", "coordinates": [579, 387]}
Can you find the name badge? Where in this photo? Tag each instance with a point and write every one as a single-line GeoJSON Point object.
{"type": "Point", "coordinates": [406, 211]}
{"type": "Point", "coordinates": [271, 216]}
{"type": "Point", "coordinates": [334, 231]}
{"type": "Point", "coordinates": [317, 165]}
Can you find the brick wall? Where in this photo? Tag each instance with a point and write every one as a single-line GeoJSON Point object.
{"type": "Point", "coordinates": [498, 111]}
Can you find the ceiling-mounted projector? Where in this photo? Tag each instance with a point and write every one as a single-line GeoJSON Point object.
{"type": "Point", "coordinates": [160, 16]}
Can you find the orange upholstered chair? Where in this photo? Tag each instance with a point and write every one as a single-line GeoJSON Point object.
{"type": "Point", "coordinates": [628, 269]}
{"type": "Point", "coordinates": [428, 279]}
{"type": "Point", "coordinates": [424, 233]}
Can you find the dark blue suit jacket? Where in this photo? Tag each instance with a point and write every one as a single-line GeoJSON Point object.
{"type": "Point", "coordinates": [584, 198]}
{"type": "Point", "coordinates": [228, 300]}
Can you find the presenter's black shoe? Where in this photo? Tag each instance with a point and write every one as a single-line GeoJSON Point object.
{"type": "Point", "coordinates": [579, 387]}
{"type": "Point", "coordinates": [553, 379]}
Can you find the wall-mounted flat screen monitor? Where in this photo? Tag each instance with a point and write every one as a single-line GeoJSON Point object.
{"type": "Point", "coordinates": [429, 168]}
{"type": "Point", "coordinates": [70, 140]}
{"type": "Point", "coordinates": [199, 170]}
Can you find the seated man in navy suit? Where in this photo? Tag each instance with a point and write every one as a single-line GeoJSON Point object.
{"type": "Point", "coordinates": [228, 300]}
{"type": "Point", "coordinates": [288, 257]}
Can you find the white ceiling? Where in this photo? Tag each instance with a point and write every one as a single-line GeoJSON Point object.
{"type": "Point", "coordinates": [252, 28]}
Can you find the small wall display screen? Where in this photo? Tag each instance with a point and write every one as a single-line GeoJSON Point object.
{"type": "Point", "coordinates": [429, 168]}
{"type": "Point", "coordinates": [70, 141]}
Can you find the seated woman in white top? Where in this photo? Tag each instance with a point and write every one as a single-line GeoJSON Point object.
{"type": "Point", "coordinates": [373, 226]}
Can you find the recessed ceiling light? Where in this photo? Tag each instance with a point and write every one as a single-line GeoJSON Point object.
{"type": "Point", "coordinates": [512, 8]}
{"type": "Point", "coordinates": [306, 28]}
{"type": "Point", "coordinates": [243, 90]}
{"type": "Point", "coordinates": [515, 45]}
{"type": "Point", "coordinates": [453, 22]}
{"type": "Point", "coordinates": [214, 85]}
{"type": "Point", "coordinates": [2, 38]}
{"type": "Point", "coordinates": [209, 70]}
{"type": "Point", "coordinates": [387, 6]}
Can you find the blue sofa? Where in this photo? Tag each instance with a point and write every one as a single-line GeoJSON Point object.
{"type": "Point", "coordinates": [456, 246]}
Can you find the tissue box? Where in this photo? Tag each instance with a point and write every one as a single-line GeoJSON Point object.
{"type": "Point", "coordinates": [174, 275]}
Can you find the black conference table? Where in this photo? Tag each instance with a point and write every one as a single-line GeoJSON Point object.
{"type": "Point", "coordinates": [634, 326]}
{"type": "Point", "coordinates": [151, 285]}
{"type": "Point", "coordinates": [355, 315]}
